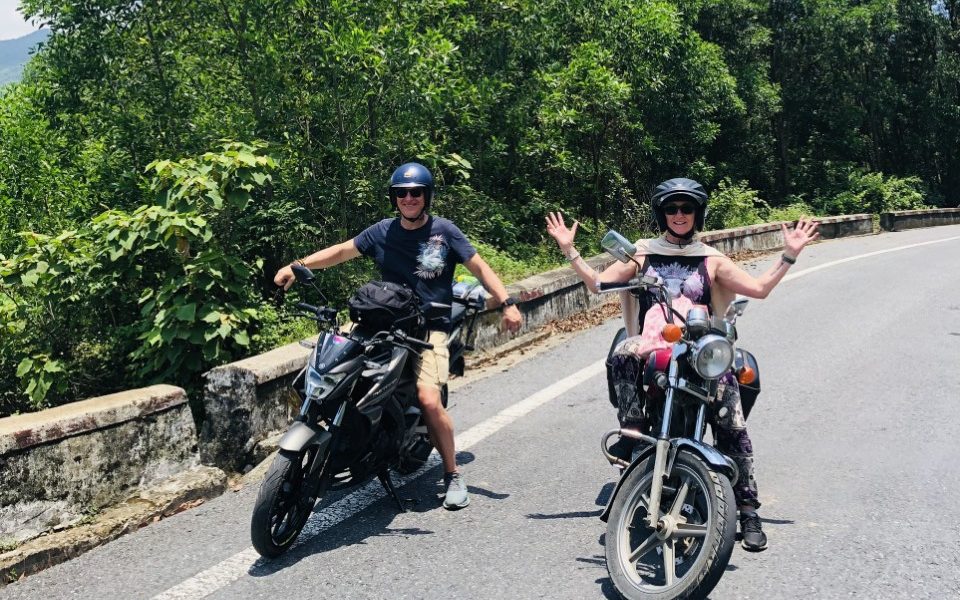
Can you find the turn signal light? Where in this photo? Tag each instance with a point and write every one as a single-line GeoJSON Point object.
{"type": "Point", "coordinates": [671, 333]}
{"type": "Point", "coordinates": [746, 376]}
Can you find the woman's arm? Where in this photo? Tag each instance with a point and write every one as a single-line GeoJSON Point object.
{"type": "Point", "coordinates": [739, 281]}
{"type": "Point", "coordinates": [615, 273]}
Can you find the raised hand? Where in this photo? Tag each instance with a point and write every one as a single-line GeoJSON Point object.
{"type": "Point", "coordinates": [795, 239]}
{"type": "Point", "coordinates": [558, 230]}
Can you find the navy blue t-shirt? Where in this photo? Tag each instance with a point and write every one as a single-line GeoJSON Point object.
{"type": "Point", "coordinates": [423, 259]}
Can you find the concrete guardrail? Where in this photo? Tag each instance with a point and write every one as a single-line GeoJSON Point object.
{"type": "Point", "coordinates": [62, 464]}
{"type": "Point", "coordinates": [912, 219]}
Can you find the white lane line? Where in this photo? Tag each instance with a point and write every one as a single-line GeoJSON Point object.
{"type": "Point", "coordinates": [834, 263]}
{"type": "Point", "coordinates": [226, 572]}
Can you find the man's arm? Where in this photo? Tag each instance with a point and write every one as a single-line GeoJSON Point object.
{"type": "Point", "coordinates": [479, 267]}
{"type": "Point", "coordinates": [321, 259]}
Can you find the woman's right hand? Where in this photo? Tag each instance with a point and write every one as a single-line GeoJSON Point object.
{"type": "Point", "coordinates": [284, 278]}
{"type": "Point", "coordinates": [558, 230]}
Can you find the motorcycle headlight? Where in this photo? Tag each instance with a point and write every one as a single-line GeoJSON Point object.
{"type": "Point", "coordinates": [712, 356]}
{"type": "Point", "coordinates": [319, 385]}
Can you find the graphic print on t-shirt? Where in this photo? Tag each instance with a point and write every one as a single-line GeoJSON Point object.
{"type": "Point", "coordinates": [680, 280]}
{"type": "Point", "coordinates": [432, 258]}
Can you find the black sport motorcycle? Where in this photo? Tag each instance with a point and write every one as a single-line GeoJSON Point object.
{"type": "Point", "coordinates": [671, 520]}
{"type": "Point", "coordinates": [359, 418]}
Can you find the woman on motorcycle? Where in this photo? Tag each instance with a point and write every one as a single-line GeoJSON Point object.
{"type": "Point", "coordinates": [695, 274]}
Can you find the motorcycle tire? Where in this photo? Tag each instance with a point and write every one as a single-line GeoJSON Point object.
{"type": "Point", "coordinates": [283, 504]}
{"type": "Point", "coordinates": [698, 562]}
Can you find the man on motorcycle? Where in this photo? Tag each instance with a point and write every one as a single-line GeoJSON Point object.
{"type": "Point", "coordinates": [703, 276]}
{"type": "Point", "coordinates": [420, 251]}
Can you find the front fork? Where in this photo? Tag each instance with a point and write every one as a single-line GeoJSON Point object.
{"type": "Point", "coordinates": [663, 463]}
{"type": "Point", "coordinates": [319, 464]}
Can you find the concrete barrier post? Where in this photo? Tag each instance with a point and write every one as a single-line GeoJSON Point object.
{"type": "Point", "coordinates": [244, 401]}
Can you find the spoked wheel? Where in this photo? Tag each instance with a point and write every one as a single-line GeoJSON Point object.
{"type": "Point", "coordinates": [685, 556]}
{"type": "Point", "coordinates": [286, 500]}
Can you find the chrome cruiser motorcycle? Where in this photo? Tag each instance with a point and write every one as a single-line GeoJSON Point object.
{"type": "Point", "coordinates": [671, 520]}
{"type": "Point", "coordinates": [359, 418]}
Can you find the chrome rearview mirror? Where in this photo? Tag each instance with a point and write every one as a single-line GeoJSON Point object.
{"type": "Point", "coordinates": [737, 307]}
{"type": "Point", "coordinates": [618, 246]}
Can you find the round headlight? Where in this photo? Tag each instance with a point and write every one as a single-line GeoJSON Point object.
{"type": "Point", "coordinates": [712, 356]}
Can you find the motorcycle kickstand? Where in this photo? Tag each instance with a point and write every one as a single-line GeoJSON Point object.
{"type": "Point", "coordinates": [387, 483]}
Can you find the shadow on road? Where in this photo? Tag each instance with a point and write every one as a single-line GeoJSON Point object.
{"type": "Point", "coordinates": [607, 589]}
{"type": "Point", "coordinates": [603, 497]}
{"type": "Point", "coordinates": [580, 514]}
{"type": "Point", "coordinates": [373, 521]}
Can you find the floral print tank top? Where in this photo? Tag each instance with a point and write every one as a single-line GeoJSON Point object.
{"type": "Point", "coordinates": [683, 275]}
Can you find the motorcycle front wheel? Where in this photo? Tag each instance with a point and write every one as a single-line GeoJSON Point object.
{"type": "Point", "coordinates": [686, 556]}
{"type": "Point", "coordinates": [286, 499]}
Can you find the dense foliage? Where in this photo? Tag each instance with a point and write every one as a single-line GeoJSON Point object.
{"type": "Point", "coordinates": [143, 263]}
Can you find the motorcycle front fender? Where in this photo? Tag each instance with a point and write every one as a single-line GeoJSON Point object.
{"type": "Point", "coordinates": [709, 454]}
{"type": "Point", "coordinates": [302, 436]}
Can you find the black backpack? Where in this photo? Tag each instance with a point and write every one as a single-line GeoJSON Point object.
{"type": "Point", "coordinates": [380, 305]}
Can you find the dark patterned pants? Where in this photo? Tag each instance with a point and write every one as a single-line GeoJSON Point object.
{"type": "Point", "coordinates": [726, 418]}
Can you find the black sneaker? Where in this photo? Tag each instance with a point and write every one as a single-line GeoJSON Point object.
{"type": "Point", "coordinates": [754, 539]}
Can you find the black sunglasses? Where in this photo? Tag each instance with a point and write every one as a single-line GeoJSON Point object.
{"type": "Point", "coordinates": [672, 209]}
{"type": "Point", "coordinates": [402, 192]}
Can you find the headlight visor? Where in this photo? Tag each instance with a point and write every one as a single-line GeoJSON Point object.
{"type": "Point", "coordinates": [319, 385]}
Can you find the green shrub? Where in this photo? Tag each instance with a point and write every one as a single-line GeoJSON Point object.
{"type": "Point", "coordinates": [157, 294]}
{"type": "Point", "coordinates": [791, 212]}
{"type": "Point", "coordinates": [872, 192]}
{"type": "Point", "coordinates": [734, 204]}
{"type": "Point", "coordinates": [278, 328]}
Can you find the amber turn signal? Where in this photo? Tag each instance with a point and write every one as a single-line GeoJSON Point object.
{"type": "Point", "coordinates": [746, 376]}
{"type": "Point", "coordinates": [671, 333]}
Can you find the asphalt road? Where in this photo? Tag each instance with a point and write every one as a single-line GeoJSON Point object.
{"type": "Point", "coordinates": [854, 435]}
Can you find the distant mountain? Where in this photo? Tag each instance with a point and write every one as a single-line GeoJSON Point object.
{"type": "Point", "coordinates": [14, 54]}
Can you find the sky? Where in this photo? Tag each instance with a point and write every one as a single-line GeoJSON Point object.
{"type": "Point", "coordinates": [12, 24]}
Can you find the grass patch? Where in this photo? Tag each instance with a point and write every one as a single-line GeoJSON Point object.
{"type": "Point", "coordinates": [512, 268]}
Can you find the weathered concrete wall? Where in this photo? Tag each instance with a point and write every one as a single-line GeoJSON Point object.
{"type": "Point", "coordinates": [768, 236]}
{"type": "Point", "coordinates": [544, 298]}
{"type": "Point", "coordinates": [246, 400]}
{"type": "Point", "coordinates": [912, 219]}
{"type": "Point", "coordinates": [61, 464]}
{"type": "Point", "coordinates": [845, 226]}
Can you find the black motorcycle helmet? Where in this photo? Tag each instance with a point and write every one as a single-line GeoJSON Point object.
{"type": "Point", "coordinates": [412, 175]}
{"type": "Point", "coordinates": [676, 189]}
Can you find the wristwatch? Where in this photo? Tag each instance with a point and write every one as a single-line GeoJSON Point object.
{"type": "Point", "coordinates": [508, 302]}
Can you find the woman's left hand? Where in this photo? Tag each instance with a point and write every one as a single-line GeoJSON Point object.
{"type": "Point", "coordinates": [794, 240]}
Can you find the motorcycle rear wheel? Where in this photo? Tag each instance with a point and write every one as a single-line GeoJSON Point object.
{"type": "Point", "coordinates": [688, 562]}
{"type": "Point", "coordinates": [285, 501]}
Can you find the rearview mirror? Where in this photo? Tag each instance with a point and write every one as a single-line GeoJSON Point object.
{"type": "Point", "coordinates": [303, 274]}
{"type": "Point", "coordinates": [737, 307]}
{"type": "Point", "coordinates": [617, 246]}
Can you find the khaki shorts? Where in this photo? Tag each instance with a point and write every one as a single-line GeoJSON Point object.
{"type": "Point", "coordinates": [433, 366]}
